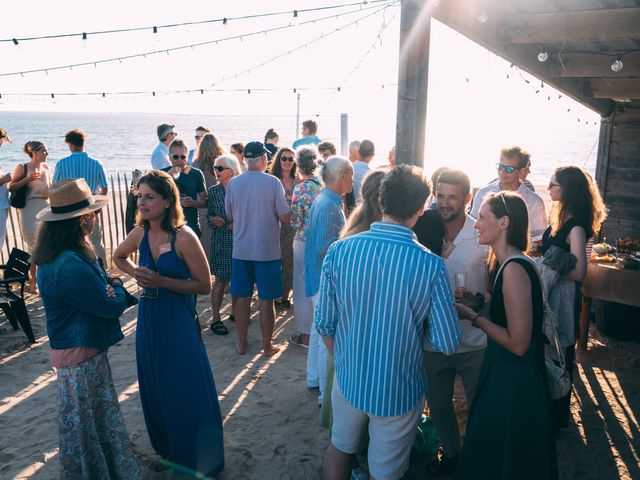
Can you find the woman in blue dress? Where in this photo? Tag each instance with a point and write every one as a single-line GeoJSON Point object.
{"type": "Point", "coordinates": [177, 389]}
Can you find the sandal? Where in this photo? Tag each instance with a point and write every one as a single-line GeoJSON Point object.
{"type": "Point", "coordinates": [219, 328]}
{"type": "Point", "coordinates": [297, 340]}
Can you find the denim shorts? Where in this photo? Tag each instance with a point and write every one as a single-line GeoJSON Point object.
{"type": "Point", "coordinates": [266, 275]}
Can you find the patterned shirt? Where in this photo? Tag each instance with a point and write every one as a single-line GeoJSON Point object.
{"type": "Point", "coordinates": [376, 291]}
{"type": "Point", "coordinates": [81, 165]}
{"type": "Point", "coordinates": [303, 196]}
{"type": "Point", "coordinates": [326, 219]}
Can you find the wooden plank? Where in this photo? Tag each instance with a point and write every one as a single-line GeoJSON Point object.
{"type": "Point", "coordinates": [413, 74]}
{"type": "Point", "coordinates": [617, 228]}
{"type": "Point", "coordinates": [615, 88]}
{"type": "Point", "coordinates": [591, 25]}
{"type": "Point", "coordinates": [591, 65]}
{"type": "Point", "coordinates": [604, 152]}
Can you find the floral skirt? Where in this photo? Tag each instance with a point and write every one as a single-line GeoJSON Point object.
{"type": "Point", "coordinates": [94, 442]}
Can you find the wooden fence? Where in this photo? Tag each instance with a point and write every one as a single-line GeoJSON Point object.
{"type": "Point", "coordinates": [113, 220]}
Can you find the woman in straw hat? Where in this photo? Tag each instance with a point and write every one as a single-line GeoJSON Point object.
{"type": "Point", "coordinates": [82, 306]}
{"type": "Point", "coordinates": [177, 390]}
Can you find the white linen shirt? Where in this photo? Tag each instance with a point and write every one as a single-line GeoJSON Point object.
{"type": "Point", "coordinates": [537, 213]}
{"type": "Point", "coordinates": [469, 257]}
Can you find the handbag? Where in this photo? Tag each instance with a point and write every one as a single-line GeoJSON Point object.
{"type": "Point", "coordinates": [18, 198]}
{"type": "Point", "coordinates": [558, 380]}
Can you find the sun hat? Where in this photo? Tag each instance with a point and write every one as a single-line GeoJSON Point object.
{"type": "Point", "coordinates": [69, 199]}
{"type": "Point", "coordinates": [255, 150]}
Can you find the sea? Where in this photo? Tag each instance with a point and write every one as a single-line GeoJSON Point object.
{"type": "Point", "coordinates": [124, 141]}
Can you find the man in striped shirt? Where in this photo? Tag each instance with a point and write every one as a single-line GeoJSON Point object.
{"type": "Point", "coordinates": [326, 220]}
{"type": "Point", "coordinates": [81, 165]}
{"type": "Point", "coordinates": [380, 291]}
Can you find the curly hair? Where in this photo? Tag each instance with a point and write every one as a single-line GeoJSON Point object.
{"type": "Point", "coordinates": [579, 198]}
{"type": "Point", "coordinates": [403, 192]}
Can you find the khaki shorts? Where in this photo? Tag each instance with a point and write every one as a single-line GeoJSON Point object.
{"type": "Point", "coordinates": [390, 438]}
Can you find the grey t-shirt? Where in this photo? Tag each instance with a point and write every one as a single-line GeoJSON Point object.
{"type": "Point", "coordinates": [255, 201]}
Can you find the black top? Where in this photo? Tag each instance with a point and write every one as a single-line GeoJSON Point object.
{"type": "Point", "coordinates": [430, 231]}
{"type": "Point", "coordinates": [559, 239]}
{"type": "Point", "coordinates": [272, 150]}
{"type": "Point", "coordinates": [190, 185]}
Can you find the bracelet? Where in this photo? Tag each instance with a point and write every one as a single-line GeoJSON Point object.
{"type": "Point", "coordinates": [475, 319]}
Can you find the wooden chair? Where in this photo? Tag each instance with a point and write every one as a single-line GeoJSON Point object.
{"type": "Point", "coordinates": [16, 271]}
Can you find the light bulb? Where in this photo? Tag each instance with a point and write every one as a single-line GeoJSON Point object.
{"type": "Point", "coordinates": [543, 56]}
{"type": "Point", "coordinates": [617, 64]}
{"type": "Point", "coordinates": [483, 17]}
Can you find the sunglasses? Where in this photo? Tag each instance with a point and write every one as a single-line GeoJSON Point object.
{"type": "Point", "coordinates": [504, 202]}
{"type": "Point", "coordinates": [181, 157]}
{"type": "Point", "coordinates": [220, 168]}
{"type": "Point", "coordinates": [197, 138]}
{"type": "Point", "coordinates": [286, 159]}
{"type": "Point", "coordinates": [507, 168]}
{"type": "Point", "coordinates": [551, 184]}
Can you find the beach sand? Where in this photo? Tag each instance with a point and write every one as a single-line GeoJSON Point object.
{"type": "Point", "coordinates": [271, 418]}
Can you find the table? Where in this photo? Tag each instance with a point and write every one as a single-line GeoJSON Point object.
{"type": "Point", "coordinates": [607, 282]}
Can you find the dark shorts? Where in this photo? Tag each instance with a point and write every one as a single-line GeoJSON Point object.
{"type": "Point", "coordinates": [266, 275]}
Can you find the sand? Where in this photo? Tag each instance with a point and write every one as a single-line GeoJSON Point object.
{"type": "Point", "coordinates": [271, 427]}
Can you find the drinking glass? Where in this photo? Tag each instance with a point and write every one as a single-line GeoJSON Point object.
{"type": "Point", "coordinates": [460, 284]}
{"type": "Point", "coordinates": [149, 293]}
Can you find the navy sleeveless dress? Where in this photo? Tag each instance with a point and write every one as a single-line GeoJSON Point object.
{"type": "Point", "coordinates": [510, 432]}
{"type": "Point", "coordinates": [177, 389]}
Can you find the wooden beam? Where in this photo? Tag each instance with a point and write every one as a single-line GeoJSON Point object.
{"type": "Point", "coordinates": [590, 65]}
{"type": "Point", "coordinates": [615, 88]}
{"type": "Point", "coordinates": [586, 25]}
{"type": "Point", "coordinates": [413, 74]}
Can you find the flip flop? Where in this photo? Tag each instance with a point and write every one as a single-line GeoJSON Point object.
{"type": "Point", "coordinates": [219, 328]}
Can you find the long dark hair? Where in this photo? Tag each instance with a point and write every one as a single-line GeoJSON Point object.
{"type": "Point", "coordinates": [276, 166]}
{"type": "Point", "coordinates": [579, 198]}
{"type": "Point", "coordinates": [162, 183]}
{"type": "Point", "coordinates": [512, 205]}
{"type": "Point", "coordinates": [55, 237]}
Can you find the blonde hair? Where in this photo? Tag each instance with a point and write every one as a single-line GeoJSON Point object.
{"type": "Point", "coordinates": [207, 151]}
{"type": "Point", "coordinates": [369, 210]}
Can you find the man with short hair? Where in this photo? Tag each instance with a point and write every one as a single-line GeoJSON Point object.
{"type": "Point", "coordinates": [326, 220]}
{"type": "Point", "coordinates": [354, 148]}
{"type": "Point", "coordinates": [81, 165]}
{"type": "Point", "coordinates": [309, 137]}
{"type": "Point", "coordinates": [361, 167]}
{"type": "Point", "coordinates": [349, 197]}
{"type": "Point", "coordinates": [256, 204]}
{"type": "Point", "coordinates": [376, 291]}
{"type": "Point", "coordinates": [463, 257]}
{"type": "Point", "coordinates": [512, 161]}
{"type": "Point", "coordinates": [160, 156]}
{"type": "Point", "coordinates": [190, 182]}
{"type": "Point", "coordinates": [200, 132]}
{"type": "Point", "coordinates": [326, 149]}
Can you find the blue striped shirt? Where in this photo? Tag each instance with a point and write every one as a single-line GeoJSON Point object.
{"type": "Point", "coordinates": [376, 291]}
{"type": "Point", "coordinates": [81, 165]}
{"type": "Point", "coordinates": [326, 219]}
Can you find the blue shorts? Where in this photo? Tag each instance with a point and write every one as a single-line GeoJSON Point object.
{"type": "Point", "coordinates": [266, 275]}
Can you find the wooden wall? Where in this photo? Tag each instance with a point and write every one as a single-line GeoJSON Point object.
{"type": "Point", "coordinates": [618, 173]}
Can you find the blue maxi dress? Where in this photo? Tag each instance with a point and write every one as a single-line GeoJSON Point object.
{"type": "Point", "coordinates": [177, 389]}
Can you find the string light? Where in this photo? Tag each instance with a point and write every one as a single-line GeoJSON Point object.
{"type": "Point", "coordinates": [200, 44]}
{"type": "Point", "coordinates": [617, 64]}
{"type": "Point", "coordinates": [543, 56]}
{"type": "Point", "coordinates": [223, 20]}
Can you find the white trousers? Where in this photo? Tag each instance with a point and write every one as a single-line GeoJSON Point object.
{"type": "Point", "coordinates": [317, 359]}
{"type": "Point", "coordinates": [302, 305]}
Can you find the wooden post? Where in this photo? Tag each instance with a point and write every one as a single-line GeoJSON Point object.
{"type": "Point", "coordinates": [413, 72]}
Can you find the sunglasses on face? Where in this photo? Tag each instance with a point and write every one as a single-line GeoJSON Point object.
{"type": "Point", "coordinates": [220, 168]}
{"type": "Point", "coordinates": [507, 168]}
{"type": "Point", "coordinates": [181, 157]}
{"type": "Point", "coordinates": [197, 138]}
{"type": "Point", "coordinates": [286, 159]}
{"type": "Point", "coordinates": [551, 184]}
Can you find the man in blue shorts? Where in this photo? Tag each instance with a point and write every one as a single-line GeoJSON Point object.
{"type": "Point", "coordinates": [255, 202]}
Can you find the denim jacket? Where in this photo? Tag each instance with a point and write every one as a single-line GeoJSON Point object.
{"type": "Point", "coordinates": [78, 311]}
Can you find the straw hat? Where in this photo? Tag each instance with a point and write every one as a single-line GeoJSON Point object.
{"type": "Point", "coordinates": [69, 199]}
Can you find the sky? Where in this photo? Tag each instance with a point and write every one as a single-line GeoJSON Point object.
{"type": "Point", "coordinates": [477, 102]}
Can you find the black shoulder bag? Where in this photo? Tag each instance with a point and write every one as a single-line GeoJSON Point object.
{"type": "Point", "coordinates": [18, 199]}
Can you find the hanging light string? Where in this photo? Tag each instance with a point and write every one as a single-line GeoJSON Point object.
{"type": "Point", "coordinates": [195, 90]}
{"type": "Point", "coordinates": [223, 20]}
{"type": "Point", "coordinates": [378, 38]}
{"type": "Point", "coordinates": [166, 51]}
{"type": "Point", "coordinates": [304, 45]}
{"type": "Point", "coordinates": [224, 79]}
